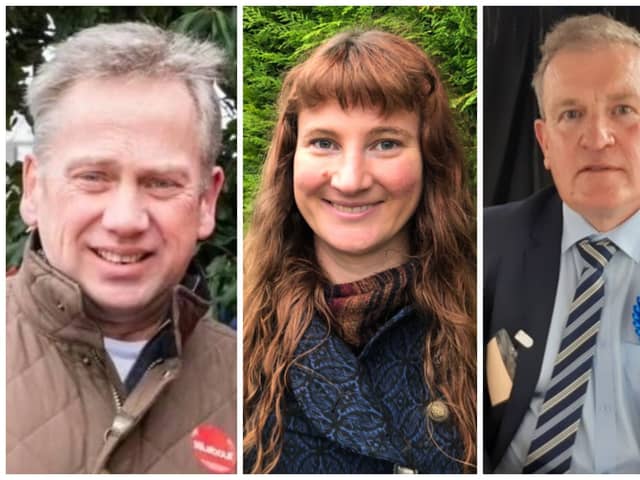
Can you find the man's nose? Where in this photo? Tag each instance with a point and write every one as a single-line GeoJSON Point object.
{"type": "Point", "coordinates": [351, 172]}
{"type": "Point", "coordinates": [597, 133]}
{"type": "Point", "coordinates": [125, 213]}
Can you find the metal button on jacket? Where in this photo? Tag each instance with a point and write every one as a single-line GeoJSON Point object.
{"type": "Point", "coordinates": [403, 470]}
{"type": "Point", "coordinates": [438, 411]}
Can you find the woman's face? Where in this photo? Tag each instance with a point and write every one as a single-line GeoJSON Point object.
{"type": "Point", "coordinates": [357, 179]}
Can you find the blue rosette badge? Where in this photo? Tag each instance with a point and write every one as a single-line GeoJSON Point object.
{"type": "Point", "coordinates": [635, 316]}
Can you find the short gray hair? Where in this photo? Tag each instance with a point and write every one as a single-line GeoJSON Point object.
{"type": "Point", "coordinates": [580, 32]}
{"type": "Point", "coordinates": [130, 48]}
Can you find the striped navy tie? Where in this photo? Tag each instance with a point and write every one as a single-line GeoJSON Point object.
{"type": "Point", "coordinates": [555, 433]}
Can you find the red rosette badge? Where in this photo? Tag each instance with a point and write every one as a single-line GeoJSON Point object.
{"type": "Point", "coordinates": [214, 449]}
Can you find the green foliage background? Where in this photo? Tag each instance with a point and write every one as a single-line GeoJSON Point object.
{"type": "Point", "coordinates": [276, 38]}
{"type": "Point", "coordinates": [29, 33]}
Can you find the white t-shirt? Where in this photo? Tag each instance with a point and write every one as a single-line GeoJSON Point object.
{"type": "Point", "coordinates": [123, 354]}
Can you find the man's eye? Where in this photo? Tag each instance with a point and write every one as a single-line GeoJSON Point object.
{"type": "Point", "coordinates": [571, 115]}
{"type": "Point", "coordinates": [161, 183]}
{"type": "Point", "coordinates": [323, 144]}
{"type": "Point", "coordinates": [92, 176]}
{"type": "Point", "coordinates": [622, 110]}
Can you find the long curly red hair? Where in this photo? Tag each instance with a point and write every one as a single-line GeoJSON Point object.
{"type": "Point", "coordinates": [283, 282]}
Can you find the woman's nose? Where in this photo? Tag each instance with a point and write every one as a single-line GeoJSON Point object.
{"type": "Point", "coordinates": [351, 173]}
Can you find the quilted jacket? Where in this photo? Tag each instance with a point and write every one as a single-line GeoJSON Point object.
{"type": "Point", "coordinates": [365, 413]}
{"type": "Point", "coordinates": [68, 411]}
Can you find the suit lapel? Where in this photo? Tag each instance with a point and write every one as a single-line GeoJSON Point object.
{"type": "Point", "coordinates": [541, 266]}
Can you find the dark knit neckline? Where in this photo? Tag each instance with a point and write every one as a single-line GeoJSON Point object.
{"type": "Point", "coordinates": [361, 307]}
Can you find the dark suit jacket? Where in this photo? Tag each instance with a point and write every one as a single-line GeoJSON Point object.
{"type": "Point", "coordinates": [521, 267]}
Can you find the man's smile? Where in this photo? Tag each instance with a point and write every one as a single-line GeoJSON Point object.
{"type": "Point", "coordinates": [120, 258]}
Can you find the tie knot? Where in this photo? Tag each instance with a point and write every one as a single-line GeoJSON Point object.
{"type": "Point", "coordinates": [597, 253]}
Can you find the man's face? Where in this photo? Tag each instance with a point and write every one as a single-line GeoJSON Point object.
{"type": "Point", "coordinates": [118, 200]}
{"type": "Point", "coordinates": [590, 136]}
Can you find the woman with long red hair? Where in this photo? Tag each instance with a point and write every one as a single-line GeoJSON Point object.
{"type": "Point", "coordinates": [359, 300]}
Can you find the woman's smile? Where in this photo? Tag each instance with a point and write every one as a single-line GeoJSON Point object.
{"type": "Point", "coordinates": [356, 196]}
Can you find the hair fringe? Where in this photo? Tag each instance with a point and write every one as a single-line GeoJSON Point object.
{"type": "Point", "coordinates": [130, 49]}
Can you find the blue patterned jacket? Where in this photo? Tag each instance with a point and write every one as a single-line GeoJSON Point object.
{"type": "Point", "coordinates": [366, 413]}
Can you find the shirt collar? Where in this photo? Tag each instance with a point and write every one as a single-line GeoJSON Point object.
{"type": "Point", "coordinates": [625, 235]}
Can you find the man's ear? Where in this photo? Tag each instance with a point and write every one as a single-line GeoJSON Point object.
{"type": "Point", "coordinates": [540, 127]}
{"type": "Point", "coordinates": [30, 187]}
{"type": "Point", "coordinates": [208, 202]}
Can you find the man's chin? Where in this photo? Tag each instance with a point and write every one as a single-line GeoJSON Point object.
{"type": "Point", "coordinates": [121, 305]}
{"type": "Point", "coordinates": [604, 214]}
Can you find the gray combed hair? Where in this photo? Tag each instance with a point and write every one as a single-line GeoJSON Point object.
{"type": "Point", "coordinates": [130, 48]}
{"type": "Point", "coordinates": [581, 31]}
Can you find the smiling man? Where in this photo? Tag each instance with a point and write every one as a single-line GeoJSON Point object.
{"type": "Point", "coordinates": [113, 362]}
{"type": "Point", "coordinates": [562, 269]}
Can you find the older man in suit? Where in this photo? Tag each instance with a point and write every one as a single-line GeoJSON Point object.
{"type": "Point", "coordinates": [562, 269]}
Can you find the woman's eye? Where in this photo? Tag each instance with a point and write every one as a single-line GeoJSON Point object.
{"type": "Point", "coordinates": [385, 145]}
{"type": "Point", "coordinates": [323, 144]}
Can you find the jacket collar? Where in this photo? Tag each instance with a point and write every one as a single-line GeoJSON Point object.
{"type": "Point", "coordinates": [385, 327]}
{"type": "Point", "coordinates": [54, 302]}
{"type": "Point", "coordinates": [328, 385]}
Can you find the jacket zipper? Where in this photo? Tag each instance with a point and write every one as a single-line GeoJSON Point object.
{"type": "Point", "coordinates": [157, 361]}
{"type": "Point", "coordinates": [117, 399]}
{"type": "Point", "coordinates": [124, 421]}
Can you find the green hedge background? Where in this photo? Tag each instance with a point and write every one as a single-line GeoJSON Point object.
{"type": "Point", "coordinates": [30, 32]}
{"type": "Point", "coordinates": [275, 38]}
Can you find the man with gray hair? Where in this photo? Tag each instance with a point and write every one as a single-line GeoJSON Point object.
{"type": "Point", "coordinates": [113, 362]}
{"type": "Point", "coordinates": [562, 269]}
